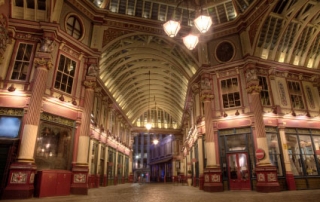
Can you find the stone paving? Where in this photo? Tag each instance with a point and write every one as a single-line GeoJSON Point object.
{"type": "Point", "coordinates": [156, 192]}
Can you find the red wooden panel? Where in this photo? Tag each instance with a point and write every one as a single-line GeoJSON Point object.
{"type": "Point", "coordinates": [63, 183]}
{"type": "Point", "coordinates": [47, 183]}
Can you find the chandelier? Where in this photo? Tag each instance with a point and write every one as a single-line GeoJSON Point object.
{"type": "Point", "coordinates": [148, 124]}
{"type": "Point", "coordinates": [202, 23]}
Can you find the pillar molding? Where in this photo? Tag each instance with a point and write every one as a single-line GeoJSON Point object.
{"type": "Point", "coordinates": [212, 174]}
{"type": "Point", "coordinates": [80, 170]}
{"type": "Point", "coordinates": [267, 179]}
{"type": "Point", "coordinates": [21, 175]}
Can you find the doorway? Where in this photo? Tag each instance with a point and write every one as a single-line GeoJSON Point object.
{"type": "Point", "coordinates": [238, 171]}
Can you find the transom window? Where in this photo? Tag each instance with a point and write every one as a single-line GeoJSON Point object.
{"type": "Point", "coordinates": [22, 62]}
{"type": "Point", "coordinates": [264, 94]}
{"type": "Point", "coordinates": [230, 93]}
{"type": "Point", "coordinates": [295, 95]}
{"type": "Point", "coordinates": [74, 27]}
{"type": "Point", "coordinates": [65, 74]}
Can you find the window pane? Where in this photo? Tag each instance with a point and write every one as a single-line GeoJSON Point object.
{"type": "Point", "coordinates": [274, 152]}
{"type": "Point", "coordinates": [22, 62]}
{"type": "Point", "coordinates": [294, 154]}
{"type": "Point", "coordinates": [53, 147]}
{"type": "Point", "coordinates": [308, 155]}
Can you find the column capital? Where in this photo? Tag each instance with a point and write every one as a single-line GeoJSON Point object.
{"type": "Point", "coordinates": [43, 60]}
{"type": "Point", "coordinates": [207, 96]}
{"type": "Point", "coordinates": [89, 84]}
{"type": "Point", "coordinates": [253, 89]}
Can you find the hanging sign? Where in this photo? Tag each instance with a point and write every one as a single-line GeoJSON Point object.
{"type": "Point", "coordinates": [260, 154]}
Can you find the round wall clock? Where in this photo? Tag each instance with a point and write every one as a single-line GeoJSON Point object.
{"type": "Point", "coordinates": [225, 51]}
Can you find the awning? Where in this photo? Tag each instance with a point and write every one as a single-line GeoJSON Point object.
{"type": "Point", "coordinates": [164, 160]}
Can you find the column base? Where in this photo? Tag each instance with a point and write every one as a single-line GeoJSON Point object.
{"type": "Point", "coordinates": [291, 184]}
{"type": "Point", "coordinates": [20, 181]}
{"type": "Point", "coordinates": [267, 179]}
{"type": "Point", "coordinates": [212, 180]}
{"type": "Point", "coordinates": [79, 183]}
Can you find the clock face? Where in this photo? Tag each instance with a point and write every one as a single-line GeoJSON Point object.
{"type": "Point", "coordinates": [225, 51]}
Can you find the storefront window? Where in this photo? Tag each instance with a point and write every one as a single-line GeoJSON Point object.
{"type": "Point", "coordinates": [303, 154]}
{"type": "Point", "coordinates": [94, 158]}
{"type": "Point", "coordinates": [308, 155]}
{"type": "Point", "coordinates": [274, 151]}
{"type": "Point", "coordinates": [53, 147]}
{"type": "Point", "coordinates": [316, 142]}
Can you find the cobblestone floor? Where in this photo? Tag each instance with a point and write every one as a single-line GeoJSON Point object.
{"type": "Point", "coordinates": [169, 193]}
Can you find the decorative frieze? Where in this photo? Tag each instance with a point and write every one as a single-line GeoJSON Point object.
{"type": "Point", "coordinates": [11, 111]}
{"type": "Point", "coordinates": [57, 119]}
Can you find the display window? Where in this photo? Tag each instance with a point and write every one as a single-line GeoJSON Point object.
{"type": "Point", "coordinates": [303, 152]}
{"type": "Point", "coordinates": [274, 149]}
{"type": "Point", "coordinates": [53, 147]}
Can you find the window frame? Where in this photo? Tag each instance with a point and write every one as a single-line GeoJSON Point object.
{"type": "Point", "coordinates": [67, 26]}
{"type": "Point", "coordinates": [293, 95]}
{"type": "Point", "coordinates": [14, 60]}
{"type": "Point", "coordinates": [62, 72]}
{"type": "Point", "coordinates": [264, 90]}
{"type": "Point", "coordinates": [228, 92]}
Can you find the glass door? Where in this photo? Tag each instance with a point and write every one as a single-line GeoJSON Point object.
{"type": "Point", "coordinates": [238, 172]}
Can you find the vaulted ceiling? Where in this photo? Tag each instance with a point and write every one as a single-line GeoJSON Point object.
{"type": "Point", "coordinates": [288, 32]}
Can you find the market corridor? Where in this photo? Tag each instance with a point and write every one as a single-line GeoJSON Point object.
{"type": "Point", "coordinates": [156, 192]}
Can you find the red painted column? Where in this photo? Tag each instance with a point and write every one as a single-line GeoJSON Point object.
{"type": "Point", "coordinates": [212, 172]}
{"type": "Point", "coordinates": [79, 183]}
{"type": "Point", "coordinates": [267, 180]}
{"type": "Point", "coordinates": [21, 176]}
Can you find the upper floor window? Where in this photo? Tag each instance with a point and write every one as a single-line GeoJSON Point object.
{"type": "Point", "coordinates": [32, 4]}
{"type": "Point", "coordinates": [264, 94]}
{"type": "Point", "coordinates": [230, 93]}
{"type": "Point", "coordinates": [295, 93]}
{"type": "Point", "coordinates": [65, 74]}
{"type": "Point", "coordinates": [22, 62]}
{"type": "Point", "coordinates": [74, 27]}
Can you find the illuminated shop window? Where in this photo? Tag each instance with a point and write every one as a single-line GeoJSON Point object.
{"type": "Point", "coordinates": [303, 150]}
{"type": "Point", "coordinates": [295, 92]}
{"type": "Point", "coordinates": [53, 147]}
{"type": "Point", "coordinates": [274, 149]}
{"type": "Point", "coordinates": [230, 93]}
{"type": "Point", "coordinates": [22, 62]}
{"type": "Point", "coordinates": [94, 158]}
{"type": "Point", "coordinates": [74, 27]}
{"type": "Point", "coordinates": [264, 94]}
{"type": "Point", "coordinates": [65, 74]}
